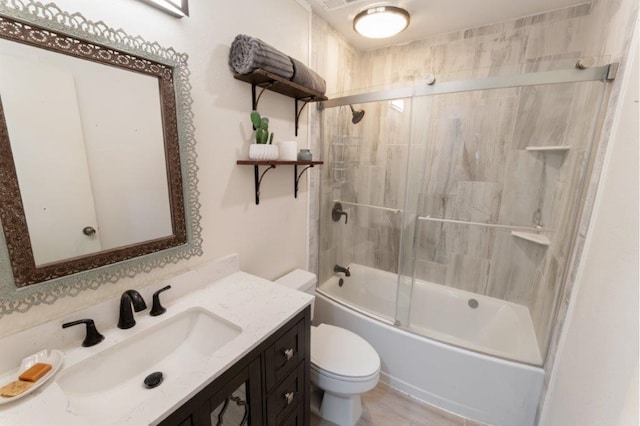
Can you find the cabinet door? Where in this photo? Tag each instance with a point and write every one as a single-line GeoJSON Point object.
{"type": "Point", "coordinates": [239, 401]}
{"type": "Point", "coordinates": [235, 399]}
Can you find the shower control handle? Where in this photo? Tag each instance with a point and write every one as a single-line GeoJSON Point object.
{"type": "Point", "coordinates": [337, 213]}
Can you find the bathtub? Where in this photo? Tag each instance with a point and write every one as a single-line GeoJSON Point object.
{"type": "Point", "coordinates": [457, 376]}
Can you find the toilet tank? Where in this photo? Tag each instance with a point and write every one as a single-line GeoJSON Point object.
{"type": "Point", "coordinates": [300, 280]}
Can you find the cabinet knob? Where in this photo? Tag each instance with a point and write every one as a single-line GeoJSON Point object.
{"type": "Point", "coordinates": [288, 354]}
{"type": "Point", "coordinates": [289, 397]}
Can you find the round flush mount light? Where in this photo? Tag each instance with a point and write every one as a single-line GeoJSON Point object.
{"type": "Point", "coordinates": [381, 21]}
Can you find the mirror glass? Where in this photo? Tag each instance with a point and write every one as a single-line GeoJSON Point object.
{"type": "Point", "coordinates": [92, 125]}
{"type": "Point", "coordinates": [92, 175]}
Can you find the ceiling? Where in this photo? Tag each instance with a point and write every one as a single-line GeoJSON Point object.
{"type": "Point", "coordinates": [429, 17]}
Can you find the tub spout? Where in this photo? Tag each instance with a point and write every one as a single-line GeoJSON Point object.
{"type": "Point", "coordinates": [342, 269]}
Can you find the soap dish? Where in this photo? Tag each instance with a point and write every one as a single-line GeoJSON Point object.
{"type": "Point", "coordinates": [49, 356]}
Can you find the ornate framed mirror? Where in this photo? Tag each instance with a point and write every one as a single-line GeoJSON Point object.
{"type": "Point", "coordinates": [97, 155]}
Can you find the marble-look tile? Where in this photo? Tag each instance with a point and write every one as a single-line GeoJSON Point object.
{"type": "Point", "coordinates": [432, 242]}
{"type": "Point", "coordinates": [560, 61]}
{"type": "Point", "coordinates": [554, 16]}
{"type": "Point", "coordinates": [476, 202]}
{"type": "Point", "coordinates": [514, 266]}
{"type": "Point", "coordinates": [543, 305]}
{"type": "Point", "coordinates": [542, 115]}
{"type": "Point", "coordinates": [551, 38]}
{"type": "Point", "coordinates": [431, 271]}
{"type": "Point", "coordinates": [529, 188]}
{"type": "Point", "coordinates": [467, 272]}
{"type": "Point", "coordinates": [395, 176]}
{"type": "Point", "coordinates": [506, 52]}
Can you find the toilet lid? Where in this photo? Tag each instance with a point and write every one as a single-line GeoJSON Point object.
{"type": "Point", "coordinates": [341, 352]}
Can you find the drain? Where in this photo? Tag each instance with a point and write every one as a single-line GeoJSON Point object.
{"type": "Point", "coordinates": [473, 303]}
{"type": "Point", "coordinates": [153, 380]}
{"type": "Point", "coordinates": [340, 282]}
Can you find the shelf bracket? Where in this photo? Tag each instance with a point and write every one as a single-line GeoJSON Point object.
{"type": "Point", "coordinates": [296, 178]}
{"type": "Point", "coordinates": [298, 111]}
{"type": "Point", "coordinates": [258, 179]}
{"type": "Point", "coordinates": [256, 99]}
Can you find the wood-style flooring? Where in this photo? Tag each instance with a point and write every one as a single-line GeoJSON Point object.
{"type": "Point", "coordinates": [386, 406]}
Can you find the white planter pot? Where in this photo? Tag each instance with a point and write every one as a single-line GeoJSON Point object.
{"type": "Point", "coordinates": [263, 152]}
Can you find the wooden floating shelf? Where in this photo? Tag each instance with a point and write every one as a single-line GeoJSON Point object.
{"type": "Point", "coordinates": [272, 165]}
{"type": "Point", "coordinates": [278, 163]}
{"type": "Point", "coordinates": [534, 238]}
{"type": "Point", "coordinates": [549, 148]}
{"type": "Point", "coordinates": [281, 85]}
{"type": "Point", "coordinates": [268, 81]}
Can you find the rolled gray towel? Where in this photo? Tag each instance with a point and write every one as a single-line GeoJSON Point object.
{"type": "Point", "coordinates": [306, 77]}
{"type": "Point", "coordinates": [249, 53]}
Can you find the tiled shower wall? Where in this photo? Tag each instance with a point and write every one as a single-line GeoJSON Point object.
{"type": "Point", "coordinates": [476, 169]}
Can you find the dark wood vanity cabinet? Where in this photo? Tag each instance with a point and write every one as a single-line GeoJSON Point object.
{"type": "Point", "coordinates": [270, 385]}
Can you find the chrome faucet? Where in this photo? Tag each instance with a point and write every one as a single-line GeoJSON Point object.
{"type": "Point", "coordinates": [342, 269]}
{"type": "Point", "coordinates": [129, 301]}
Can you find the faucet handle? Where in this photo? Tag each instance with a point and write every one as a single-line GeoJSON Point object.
{"type": "Point", "coordinates": [93, 336]}
{"type": "Point", "coordinates": [157, 308]}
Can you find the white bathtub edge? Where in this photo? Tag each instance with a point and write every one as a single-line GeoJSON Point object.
{"type": "Point", "coordinates": [485, 388]}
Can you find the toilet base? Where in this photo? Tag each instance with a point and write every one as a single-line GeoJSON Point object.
{"type": "Point", "coordinates": [341, 410]}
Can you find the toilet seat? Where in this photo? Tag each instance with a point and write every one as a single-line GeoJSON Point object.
{"type": "Point", "coordinates": [333, 376]}
{"type": "Point", "coordinates": [342, 355]}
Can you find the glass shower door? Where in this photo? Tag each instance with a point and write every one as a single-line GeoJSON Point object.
{"type": "Point", "coordinates": [493, 197]}
{"type": "Point", "coordinates": [363, 182]}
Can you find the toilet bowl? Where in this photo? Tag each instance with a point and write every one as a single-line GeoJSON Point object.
{"type": "Point", "coordinates": [343, 364]}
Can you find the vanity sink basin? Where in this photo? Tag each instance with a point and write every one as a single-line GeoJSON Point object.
{"type": "Point", "coordinates": [179, 347]}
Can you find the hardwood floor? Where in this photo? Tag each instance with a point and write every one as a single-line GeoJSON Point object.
{"type": "Point", "coordinates": [386, 406]}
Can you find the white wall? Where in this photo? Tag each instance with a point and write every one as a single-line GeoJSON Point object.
{"type": "Point", "coordinates": [596, 371]}
{"type": "Point", "coordinates": [271, 237]}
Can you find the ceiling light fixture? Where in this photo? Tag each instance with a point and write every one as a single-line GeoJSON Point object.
{"type": "Point", "coordinates": [381, 21]}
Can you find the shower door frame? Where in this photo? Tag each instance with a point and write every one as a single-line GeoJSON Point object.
{"type": "Point", "coordinates": [604, 74]}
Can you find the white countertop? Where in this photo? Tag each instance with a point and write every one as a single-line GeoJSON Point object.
{"type": "Point", "coordinates": [256, 305]}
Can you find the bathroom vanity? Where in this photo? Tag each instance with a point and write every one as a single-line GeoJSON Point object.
{"type": "Point", "coordinates": [274, 378]}
{"type": "Point", "coordinates": [223, 330]}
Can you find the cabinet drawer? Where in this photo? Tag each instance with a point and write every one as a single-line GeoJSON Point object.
{"type": "Point", "coordinates": [285, 354]}
{"type": "Point", "coordinates": [286, 396]}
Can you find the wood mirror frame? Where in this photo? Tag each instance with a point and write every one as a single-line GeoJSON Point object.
{"type": "Point", "coordinates": [46, 26]}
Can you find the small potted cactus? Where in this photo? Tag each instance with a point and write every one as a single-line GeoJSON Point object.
{"type": "Point", "coordinates": [263, 149]}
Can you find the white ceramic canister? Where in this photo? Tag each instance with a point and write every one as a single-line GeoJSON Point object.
{"type": "Point", "coordinates": [288, 150]}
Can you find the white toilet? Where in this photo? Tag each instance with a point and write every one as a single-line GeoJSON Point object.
{"type": "Point", "coordinates": [343, 364]}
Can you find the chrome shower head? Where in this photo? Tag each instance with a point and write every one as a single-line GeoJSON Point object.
{"type": "Point", "coordinates": [357, 115]}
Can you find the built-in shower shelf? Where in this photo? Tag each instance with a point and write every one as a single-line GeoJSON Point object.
{"type": "Point", "coordinates": [534, 238]}
{"type": "Point", "coordinates": [549, 148]}
{"type": "Point", "coordinates": [272, 165]}
{"type": "Point", "coordinates": [268, 81]}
